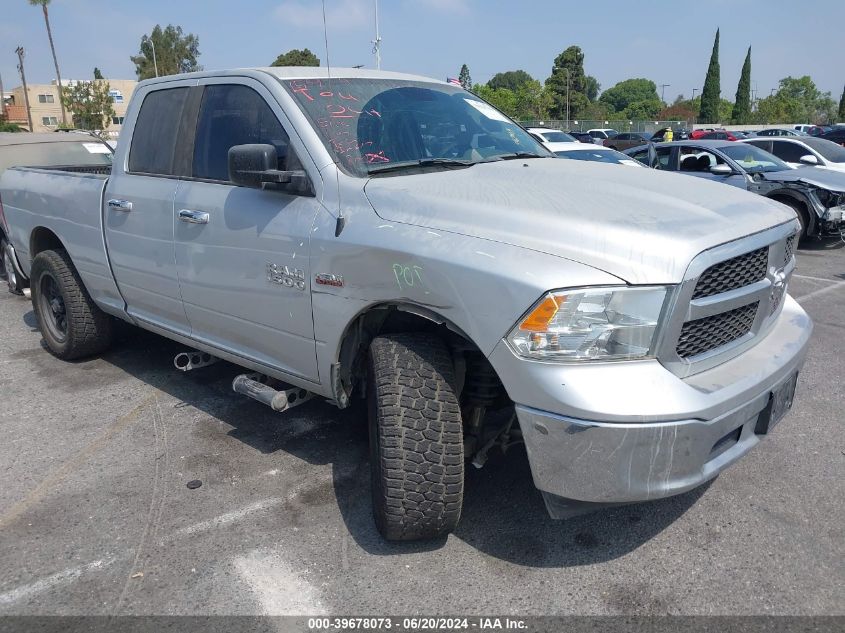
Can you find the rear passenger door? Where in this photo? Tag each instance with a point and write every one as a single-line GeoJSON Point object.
{"type": "Point", "coordinates": [138, 217]}
{"type": "Point", "coordinates": [244, 268]}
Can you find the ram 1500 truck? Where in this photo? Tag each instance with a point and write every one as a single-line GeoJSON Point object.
{"type": "Point", "coordinates": [394, 239]}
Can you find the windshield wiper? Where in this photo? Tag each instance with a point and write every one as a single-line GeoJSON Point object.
{"type": "Point", "coordinates": [515, 155]}
{"type": "Point", "coordinates": [423, 162]}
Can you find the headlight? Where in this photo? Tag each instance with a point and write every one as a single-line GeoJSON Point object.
{"type": "Point", "coordinates": [591, 323]}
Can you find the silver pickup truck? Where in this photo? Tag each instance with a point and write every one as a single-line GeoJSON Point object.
{"type": "Point", "coordinates": [392, 239]}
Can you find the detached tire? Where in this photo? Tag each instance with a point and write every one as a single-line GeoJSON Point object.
{"type": "Point", "coordinates": [416, 437]}
{"type": "Point", "coordinates": [71, 324]}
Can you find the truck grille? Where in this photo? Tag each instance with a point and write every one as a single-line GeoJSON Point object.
{"type": "Point", "coordinates": [702, 335]}
{"type": "Point", "coordinates": [789, 248]}
{"type": "Point", "coordinates": [733, 273]}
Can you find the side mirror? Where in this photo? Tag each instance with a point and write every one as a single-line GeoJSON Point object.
{"type": "Point", "coordinates": [721, 170]}
{"type": "Point", "coordinates": [808, 159]}
{"type": "Point", "coordinates": [255, 165]}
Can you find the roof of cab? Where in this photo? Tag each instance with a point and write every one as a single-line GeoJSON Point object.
{"type": "Point", "coordinates": [300, 72]}
{"type": "Point", "coordinates": [27, 138]}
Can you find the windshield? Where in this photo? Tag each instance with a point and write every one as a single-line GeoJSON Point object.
{"type": "Point", "coordinates": [753, 159]}
{"type": "Point", "coordinates": [828, 149]}
{"type": "Point", "coordinates": [371, 125]}
{"type": "Point", "coordinates": [599, 156]}
{"type": "Point", "coordinates": [90, 152]}
{"type": "Point", "coordinates": [558, 137]}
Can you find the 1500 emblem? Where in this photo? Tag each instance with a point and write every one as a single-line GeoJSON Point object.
{"type": "Point", "coordinates": [286, 276]}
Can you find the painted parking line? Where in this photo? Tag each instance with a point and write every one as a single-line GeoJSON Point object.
{"type": "Point", "coordinates": [821, 291]}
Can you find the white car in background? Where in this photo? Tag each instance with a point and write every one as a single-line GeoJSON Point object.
{"type": "Point", "coordinates": [595, 154]}
{"type": "Point", "coordinates": [549, 136]}
{"type": "Point", "coordinates": [797, 151]}
{"type": "Point", "coordinates": [600, 135]}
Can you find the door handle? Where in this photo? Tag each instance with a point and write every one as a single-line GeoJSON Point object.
{"type": "Point", "coordinates": [120, 205]}
{"type": "Point", "coordinates": [193, 217]}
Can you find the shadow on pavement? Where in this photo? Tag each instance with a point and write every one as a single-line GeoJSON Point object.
{"type": "Point", "coordinates": [503, 514]}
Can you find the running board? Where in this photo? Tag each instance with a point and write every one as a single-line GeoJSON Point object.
{"type": "Point", "coordinates": [186, 361]}
{"type": "Point", "coordinates": [256, 386]}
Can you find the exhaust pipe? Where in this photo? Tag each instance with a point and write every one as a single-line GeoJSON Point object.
{"type": "Point", "coordinates": [250, 385]}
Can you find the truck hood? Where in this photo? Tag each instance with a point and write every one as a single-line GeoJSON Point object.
{"type": "Point", "coordinates": [816, 176]}
{"type": "Point", "coordinates": [641, 225]}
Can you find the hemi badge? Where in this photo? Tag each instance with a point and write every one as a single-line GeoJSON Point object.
{"type": "Point", "coordinates": [325, 279]}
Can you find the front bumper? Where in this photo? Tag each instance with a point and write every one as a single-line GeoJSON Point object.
{"type": "Point", "coordinates": [623, 432]}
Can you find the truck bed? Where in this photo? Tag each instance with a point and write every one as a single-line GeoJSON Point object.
{"type": "Point", "coordinates": [65, 202]}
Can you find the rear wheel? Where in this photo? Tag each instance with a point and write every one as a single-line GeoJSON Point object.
{"type": "Point", "coordinates": [71, 324]}
{"type": "Point", "coordinates": [8, 269]}
{"type": "Point", "coordinates": [416, 438]}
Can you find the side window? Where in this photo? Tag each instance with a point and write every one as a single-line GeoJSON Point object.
{"type": "Point", "coordinates": [663, 155]}
{"type": "Point", "coordinates": [696, 159]}
{"type": "Point", "coordinates": [154, 140]}
{"type": "Point", "coordinates": [790, 152]}
{"type": "Point", "coordinates": [230, 115]}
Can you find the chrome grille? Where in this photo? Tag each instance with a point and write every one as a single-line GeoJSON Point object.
{"type": "Point", "coordinates": [703, 335]}
{"type": "Point", "coordinates": [733, 273]}
{"type": "Point", "coordinates": [789, 249]}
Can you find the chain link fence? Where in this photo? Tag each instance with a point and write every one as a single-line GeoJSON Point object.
{"type": "Point", "coordinates": [649, 127]}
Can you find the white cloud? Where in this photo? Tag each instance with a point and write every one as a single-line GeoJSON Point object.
{"type": "Point", "coordinates": [340, 14]}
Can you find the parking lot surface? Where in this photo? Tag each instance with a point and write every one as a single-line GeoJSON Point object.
{"type": "Point", "coordinates": [96, 517]}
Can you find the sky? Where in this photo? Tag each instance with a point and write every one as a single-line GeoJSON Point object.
{"type": "Point", "coordinates": [667, 41]}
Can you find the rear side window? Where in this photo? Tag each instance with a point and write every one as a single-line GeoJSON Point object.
{"type": "Point", "coordinates": [154, 140]}
{"type": "Point", "coordinates": [235, 115]}
{"type": "Point", "coordinates": [790, 152]}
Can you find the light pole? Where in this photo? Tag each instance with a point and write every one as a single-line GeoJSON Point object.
{"type": "Point", "coordinates": [694, 90]}
{"type": "Point", "coordinates": [377, 42]}
{"type": "Point", "coordinates": [155, 63]}
{"type": "Point", "coordinates": [567, 97]}
{"type": "Point", "coordinates": [663, 91]}
{"type": "Point", "coordinates": [2, 101]}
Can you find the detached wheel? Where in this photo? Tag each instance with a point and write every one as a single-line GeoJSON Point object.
{"type": "Point", "coordinates": [8, 269]}
{"type": "Point", "coordinates": [416, 437]}
{"type": "Point", "coordinates": [71, 324]}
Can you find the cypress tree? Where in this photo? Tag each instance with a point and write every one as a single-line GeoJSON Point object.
{"type": "Point", "coordinates": [464, 78]}
{"type": "Point", "coordinates": [742, 103]}
{"type": "Point", "coordinates": [842, 107]}
{"type": "Point", "coordinates": [711, 93]}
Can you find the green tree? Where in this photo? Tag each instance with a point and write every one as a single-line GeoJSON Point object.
{"type": "Point", "coordinates": [568, 80]}
{"type": "Point", "coordinates": [629, 92]}
{"type": "Point", "coordinates": [797, 99]}
{"type": "Point", "coordinates": [501, 98]}
{"type": "Point", "coordinates": [97, 73]}
{"type": "Point", "coordinates": [464, 78]}
{"type": "Point", "coordinates": [511, 79]}
{"type": "Point", "coordinates": [742, 106]}
{"type": "Point", "coordinates": [90, 104]}
{"type": "Point", "coordinates": [175, 53]}
{"type": "Point", "coordinates": [593, 87]}
{"type": "Point", "coordinates": [842, 107]}
{"type": "Point", "coordinates": [43, 4]}
{"type": "Point", "coordinates": [710, 93]}
{"type": "Point", "coordinates": [297, 57]}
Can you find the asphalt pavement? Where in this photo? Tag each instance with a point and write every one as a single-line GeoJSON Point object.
{"type": "Point", "coordinates": [96, 516]}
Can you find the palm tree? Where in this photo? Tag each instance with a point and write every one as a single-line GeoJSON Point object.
{"type": "Point", "coordinates": [43, 4]}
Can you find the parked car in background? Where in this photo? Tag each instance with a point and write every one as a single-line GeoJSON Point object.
{"type": "Point", "coordinates": [837, 135]}
{"type": "Point", "coordinates": [44, 150]}
{"type": "Point", "coordinates": [812, 130]}
{"type": "Point", "coordinates": [582, 137]}
{"type": "Point", "coordinates": [596, 154]}
{"type": "Point", "coordinates": [548, 136]}
{"type": "Point", "coordinates": [805, 150]}
{"type": "Point", "coordinates": [599, 135]}
{"type": "Point", "coordinates": [712, 135]}
{"type": "Point", "coordinates": [680, 134]}
{"type": "Point", "coordinates": [781, 132]}
{"type": "Point", "coordinates": [627, 139]}
{"type": "Point", "coordinates": [816, 195]}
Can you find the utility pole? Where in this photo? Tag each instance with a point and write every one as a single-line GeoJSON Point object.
{"type": "Point", "coordinates": [663, 91]}
{"type": "Point", "coordinates": [377, 42]}
{"type": "Point", "coordinates": [567, 98]}
{"type": "Point", "coordinates": [19, 50]}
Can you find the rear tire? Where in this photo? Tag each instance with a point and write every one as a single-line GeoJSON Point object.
{"type": "Point", "coordinates": [9, 271]}
{"type": "Point", "coordinates": [416, 437]}
{"type": "Point", "coordinates": [71, 324]}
